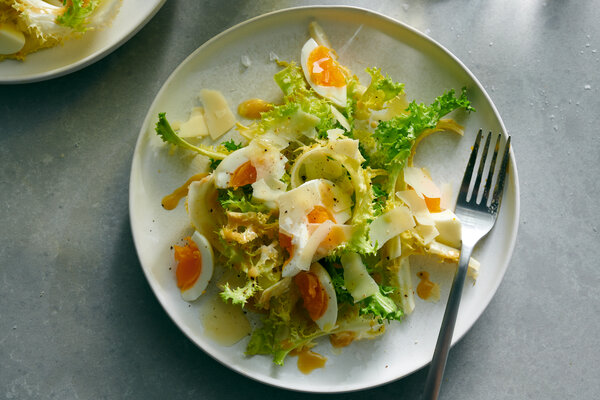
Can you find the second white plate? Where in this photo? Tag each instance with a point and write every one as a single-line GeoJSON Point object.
{"type": "Point", "coordinates": [78, 53]}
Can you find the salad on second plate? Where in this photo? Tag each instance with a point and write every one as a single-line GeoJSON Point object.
{"type": "Point", "coordinates": [312, 214]}
{"type": "Point", "coordinates": [27, 26]}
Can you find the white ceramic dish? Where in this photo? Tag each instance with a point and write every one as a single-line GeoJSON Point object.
{"type": "Point", "coordinates": [78, 53]}
{"type": "Point", "coordinates": [362, 39]}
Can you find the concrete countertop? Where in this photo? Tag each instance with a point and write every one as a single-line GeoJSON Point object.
{"type": "Point", "coordinates": [78, 319]}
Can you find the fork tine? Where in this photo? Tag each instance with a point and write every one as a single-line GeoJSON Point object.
{"type": "Point", "coordinates": [464, 186]}
{"type": "Point", "coordinates": [477, 184]}
{"type": "Point", "coordinates": [488, 183]}
{"type": "Point", "coordinates": [501, 177]}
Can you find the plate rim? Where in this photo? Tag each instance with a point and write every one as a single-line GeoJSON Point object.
{"type": "Point", "coordinates": [401, 25]}
{"type": "Point", "coordinates": [86, 61]}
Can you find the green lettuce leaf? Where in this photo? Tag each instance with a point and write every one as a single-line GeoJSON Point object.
{"type": "Point", "coordinates": [281, 332]}
{"type": "Point", "coordinates": [381, 89]}
{"type": "Point", "coordinates": [380, 306]}
{"type": "Point", "coordinates": [299, 96]}
{"type": "Point", "coordinates": [240, 200]}
{"type": "Point", "coordinates": [337, 279]}
{"type": "Point", "coordinates": [380, 198]}
{"type": "Point", "coordinates": [232, 146]}
{"type": "Point", "coordinates": [290, 79]}
{"type": "Point", "coordinates": [168, 135]}
{"type": "Point", "coordinates": [396, 137]}
{"type": "Point", "coordinates": [239, 295]}
{"type": "Point", "coordinates": [76, 15]}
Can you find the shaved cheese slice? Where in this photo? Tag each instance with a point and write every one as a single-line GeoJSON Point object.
{"type": "Point", "coordinates": [417, 205]}
{"type": "Point", "coordinates": [340, 118]}
{"type": "Point", "coordinates": [347, 147]}
{"type": "Point", "coordinates": [271, 139]}
{"type": "Point", "coordinates": [393, 248]}
{"type": "Point", "coordinates": [195, 126]}
{"type": "Point", "coordinates": [427, 232]}
{"type": "Point", "coordinates": [218, 115]}
{"type": "Point", "coordinates": [341, 200]}
{"type": "Point", "coordinates": [356, 277]}
{"type": "Point", "coordinates": [449, 227]}
{"type": "Point", "coordinates": [405, 285]}
{"type": "Point", "coordinates": [342, 216]}
{"type": "Point", "coordinates": [295, 204]}
{"type": "Point", "coordinates": [299, 124]}
{"type": "Point", "coordinates": [447, 200]}
{"type": "Point", "coordinates": [390, 224]}
{"type": "Point", "coordinates": [303, 255]}
{"type": "Point", "coordinates": [268, 192]}
{"type": "Point", "coordinates": [451, 254]}
{"type": "Point", "coordinates": [421, 182]}
{"type": "Point", "coordinates": [335, 133]}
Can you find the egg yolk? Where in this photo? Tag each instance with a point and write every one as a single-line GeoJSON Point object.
{"type": "Point", "coordinates": [319, 214]}
{"type": "Point", "coordinates": [313, 294]}
{"type": "Point", "coordinates": [189, 264]}
{"type": "Point", "coordinates": [433, 204]}
{"type": "Point", "coordinates": [244, 175]}
{"type": "Point", "coordinates": [285, 242]}
{"type": "Point", "coordinates": [324, 70]}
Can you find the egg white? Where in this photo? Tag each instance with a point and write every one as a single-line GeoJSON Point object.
{"type": "Point", "coordinates": [206, 255]}
{"type": "Point", "coordinates": [327, 321]}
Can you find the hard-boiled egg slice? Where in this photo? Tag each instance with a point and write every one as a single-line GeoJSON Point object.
{"type": "Point", "coordinates": [195, 266]}
{"type": "Point", "coordinates": [323, 73]}
{"type": "Point", "coordinates": [11, 39]}
{"type": "Point", "coordinates": [259, 164]}
{"type": "Point", "coordinates": [318, 296]}
{"type": "Point", "coordinates": [310, 222]}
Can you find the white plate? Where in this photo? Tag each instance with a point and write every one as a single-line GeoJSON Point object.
{"type": "Point", "coordinates": [362, 39]}
{"type": "Point", "coordinates": [78, 53]}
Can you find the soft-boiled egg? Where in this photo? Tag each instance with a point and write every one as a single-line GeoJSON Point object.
{"type": "Point", "coordinates": [259, 164]}
{"type": "Point", "coordinates": [318, 296]}
{"type": "Point", "coordinates": [323, 73]}
{"type": "Point", "coordinates": [194, 266]}
{"type": "Point", "coordinates": [311, 223]}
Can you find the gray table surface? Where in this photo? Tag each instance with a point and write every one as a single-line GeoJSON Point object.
{"type": "Point", "coordinates": [78, 319]}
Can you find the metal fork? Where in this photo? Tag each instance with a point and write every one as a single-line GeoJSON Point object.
{"type": "Point", "coordinates": [477, 214]}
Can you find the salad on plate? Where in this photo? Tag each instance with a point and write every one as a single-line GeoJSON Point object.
{"type": "Point", "coordinates": [307, 217]}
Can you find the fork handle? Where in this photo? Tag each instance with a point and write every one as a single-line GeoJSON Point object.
{"type": "Point", "coordinates": [440, 355]}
